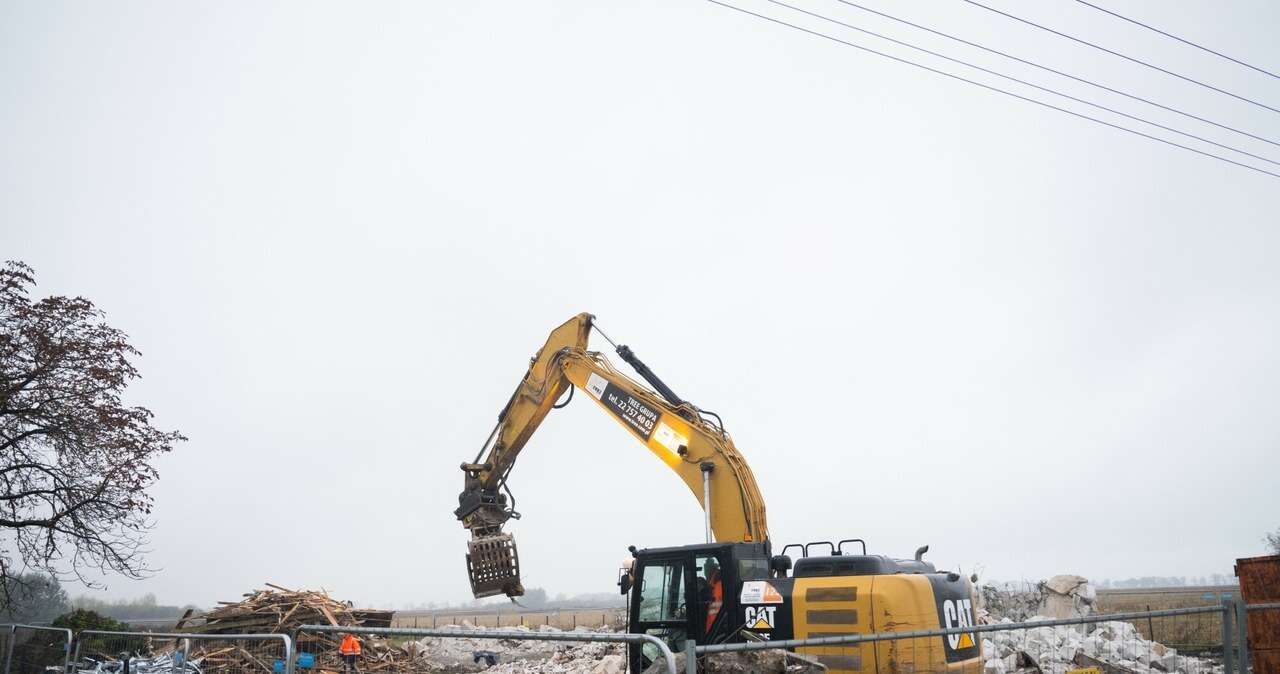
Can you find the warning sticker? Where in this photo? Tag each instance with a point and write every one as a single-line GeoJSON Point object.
{"type": "Point", "coordinates": [635, 413]}
{"type": "Point", "coordinates": [669, 438]}
{"type": "Point", "coordinates": [759, 592]}
{"type": "Point", "coordinates": [596, 385]}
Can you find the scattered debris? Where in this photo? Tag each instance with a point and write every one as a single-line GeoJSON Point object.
{"type": "Point", "coordinates": [471, 654]}
{"type": "Point", "coordinates": [748, 662]}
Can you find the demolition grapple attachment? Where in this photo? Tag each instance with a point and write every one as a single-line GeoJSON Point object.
{"type": "Point", "coordinates": [493, 566]}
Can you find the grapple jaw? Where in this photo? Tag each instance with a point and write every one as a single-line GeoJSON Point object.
{"type": "Point", "coordinates": [493, 565]}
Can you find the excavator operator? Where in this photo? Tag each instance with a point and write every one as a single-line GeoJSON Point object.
{"type": "Point", "coordinates": [711, 569]}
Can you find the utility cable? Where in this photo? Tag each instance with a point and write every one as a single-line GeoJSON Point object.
{"type": "Point", "coordinates": [1123, 56]}
{"type": "Point", "coordinates": [992, 88]}
{"type": "Point", "coordinates": [1175, 37]}
{"type": "Point", "coordinates": [1058, 72]}
{"type": "Point", "coordinates": [1023, 82]}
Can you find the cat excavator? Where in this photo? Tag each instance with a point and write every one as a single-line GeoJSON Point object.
{"type": "Point", "coordinates": [731, 587]}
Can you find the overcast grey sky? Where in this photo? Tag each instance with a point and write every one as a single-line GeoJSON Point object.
{"type": "Point", "coordinates": [928, 313]}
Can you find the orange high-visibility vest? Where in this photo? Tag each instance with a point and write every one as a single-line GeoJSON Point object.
{"type": "Point", "coordinates": [349, 646]}
{"type": "Point", "coordinates": [717, 600]}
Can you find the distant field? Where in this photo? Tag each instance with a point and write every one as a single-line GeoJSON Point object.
{"type": "Point", "coordinates": [1157, 598]}
{"type": "Point", "coordinates": [565, 619]}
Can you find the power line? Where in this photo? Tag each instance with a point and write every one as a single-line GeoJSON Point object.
{"type": "Point", "coordinates": [1123, 56]}
{"type": "Point", "coordinates": [1023, 82]}
{"type": "Point", "coordinates": [1059, 72]}
{"type": "Point", "coordinates": [1171, 35]}
{"type": "Point", "coordinates": [995, 89]}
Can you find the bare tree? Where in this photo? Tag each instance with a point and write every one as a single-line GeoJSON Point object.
{"type": "Point", "coordinates": [1273, 541]}
{"type": "Point", "coordinates": [75, 461]}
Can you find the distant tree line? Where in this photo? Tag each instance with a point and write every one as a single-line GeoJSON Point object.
{"type": "Point", "coordinates": [38, 599]}
{"type": "Point", "coordinates": [142, 608]}
{"type": "Point", "coordinates": [1165, 581]}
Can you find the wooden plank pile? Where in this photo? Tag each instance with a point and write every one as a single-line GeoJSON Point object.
{"type": "Point", "coordinates": [279, 610]}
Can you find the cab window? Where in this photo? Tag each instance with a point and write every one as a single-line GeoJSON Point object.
{"type": "Point", "coordinates": [753, 569]}
{"type": "Point", "coordinates": [662, 593]}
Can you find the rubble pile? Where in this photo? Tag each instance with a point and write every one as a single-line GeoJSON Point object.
{"type": "Point", "coordinates": [513, 656]}
{"type": "Point", "coordinates": [1065, 596]}
{"type": "Point", "coordinates": [1112, 646]}
{"type": "Point", "coordinates": [591, 658]}
{"type": "Point", "coordinates": [465, 655]}
{"type": "Point", "coordinates": [995, 603]}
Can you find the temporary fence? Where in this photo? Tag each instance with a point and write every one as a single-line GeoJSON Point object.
{"type": "Point", "coordinates": [1231, 638]}
{"type": "Point", "coordinates": [102, 652]}
{"type": "Point", "coordinates": [1050, 646]}
{"type": "Point", "coordinates": [303, 636]}
{"type": "Point", "coordinates": [33, 649]}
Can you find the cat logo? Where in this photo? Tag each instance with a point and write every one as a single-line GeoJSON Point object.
{"type": "Point", "coordinates": [958, 613]}
{"type": "Point", "coordinates": [760, 617]}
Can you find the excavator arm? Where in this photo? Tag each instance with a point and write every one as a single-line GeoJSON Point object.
{"type": "Point", "coordinates": [682, 436]}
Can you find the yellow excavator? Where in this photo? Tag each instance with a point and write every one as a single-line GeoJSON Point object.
{"type": "Point", "coordinates": [732, 587]}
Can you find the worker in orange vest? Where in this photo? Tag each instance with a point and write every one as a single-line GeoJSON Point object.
{"type": "Point", "coordinates": [712, 569]}
{"type": "Point", "coordinates": [350, 650]}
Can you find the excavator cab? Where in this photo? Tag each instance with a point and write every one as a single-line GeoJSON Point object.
{"type": "Point", "coordinates": [689, 593]}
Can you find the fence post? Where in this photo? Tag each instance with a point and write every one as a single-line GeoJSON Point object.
{"type": "Point", "coordinates": [290, 654]}
{"type": "Point", "coordinates": [75, 655]}
{"type": "Point", "coordinates": [8, 650]}
{"type": "Point", "coordinates": [1228, 633]}
{"type": "Point", "coordinates": [184, 650]}
{"type": "Point", "coordinates": [66, 653]}
{"type": "Point", "coordinates": [1242, 635]}
{"type": "Point", "coordinates": [690, 657]}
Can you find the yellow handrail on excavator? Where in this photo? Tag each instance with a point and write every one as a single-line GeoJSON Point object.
{"type": "Point", "coordinates": [682, 436]}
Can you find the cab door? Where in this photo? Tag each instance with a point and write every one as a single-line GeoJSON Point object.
{"type": "Point", "coordinates": [662, 605]}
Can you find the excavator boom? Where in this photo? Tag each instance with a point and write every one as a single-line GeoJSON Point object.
{"type": "Point", "coordinates": [699, 451]}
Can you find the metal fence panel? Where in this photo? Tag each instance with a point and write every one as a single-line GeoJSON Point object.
{"type": "Point", "coordinates": [98, 652]}
{"type": "Point", "coordinates": [34, 649]}
{"type": "Point", "coordinates": [319, 641]}
{"type": "Point", "coordinates": [1120, 642]}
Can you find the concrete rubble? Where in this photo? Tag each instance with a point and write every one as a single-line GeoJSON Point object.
{"type": "Point", "coordinates": [515, 656]}
{"type": "Point", "coordinates": [1115, 647]}
{"type": "Point", "coordinates": [464, 655]}
{"type": "Point", "coordinates": [1067, 597]}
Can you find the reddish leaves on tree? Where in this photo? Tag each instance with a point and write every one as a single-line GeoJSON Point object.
{"type": "Point", "coordinates": [75, 461]}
